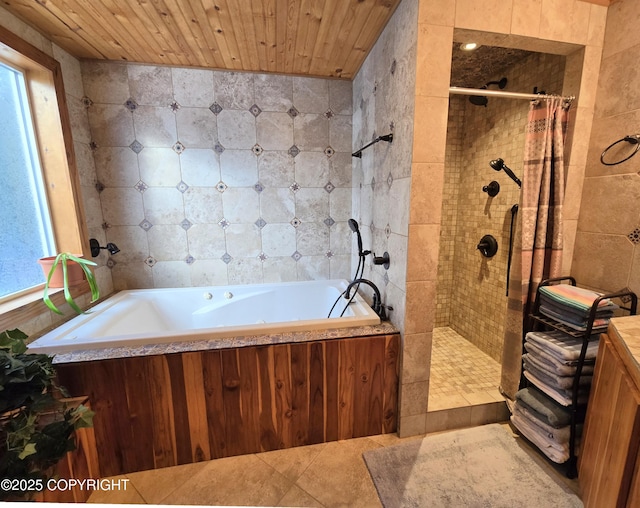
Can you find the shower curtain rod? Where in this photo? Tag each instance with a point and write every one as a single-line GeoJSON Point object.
{"type": "Point", "coordinates": [456, 90]}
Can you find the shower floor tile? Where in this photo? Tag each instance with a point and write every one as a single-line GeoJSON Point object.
{"type": "Point", "coordinates": [461, 374]}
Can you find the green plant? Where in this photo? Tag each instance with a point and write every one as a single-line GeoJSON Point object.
{"type": "Point", "coordinates": [36, 428]}
{"type": "Point", "coordinates": [63, 259]}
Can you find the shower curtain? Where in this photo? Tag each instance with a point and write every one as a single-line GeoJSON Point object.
{"type": "Point", "coordinates": [538, 251]}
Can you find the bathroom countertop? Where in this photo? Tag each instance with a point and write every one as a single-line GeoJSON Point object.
{"type": "Point", "coordinates": [88, 355]}
{"type": "Point", "coordinates": [625, 332]}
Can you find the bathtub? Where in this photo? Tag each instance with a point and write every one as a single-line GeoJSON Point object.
{"type": "Point", "coordinates": [156, 316]}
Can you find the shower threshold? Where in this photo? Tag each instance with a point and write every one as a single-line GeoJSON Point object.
{"type": "Point", "coordinates": [461, 374]}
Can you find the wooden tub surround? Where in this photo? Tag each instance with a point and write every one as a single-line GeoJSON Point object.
{"type": "Point", "coordinates": [165, 410]}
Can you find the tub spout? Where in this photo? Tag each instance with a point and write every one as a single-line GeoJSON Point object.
{"type": "Point", "coordinates": [378, 307]}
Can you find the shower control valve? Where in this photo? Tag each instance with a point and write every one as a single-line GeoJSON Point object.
{"type": "Point", "coordinates": [382, 260]}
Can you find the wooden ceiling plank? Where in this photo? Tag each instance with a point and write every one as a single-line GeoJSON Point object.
{"type": "Point", "coordinates": [155, 25]}
{"type": "Point", "coordinates": [217, 60]}
{"type": "Point", "coordinates": [293, 15]}
{"type": "Point", "coordinates": [187, 26]}
{"type": "Point", "coordinates": [96, 32]}
{"type": "Point", "coordinates": [71, 38]}
{"type": "Point", "coordinates": [241, 19]}
{"type": "Point", "coordinates": [348, 25]}
{"type": "Point", "coordinates": [224, 35]}
{"type": "Point", "coordinates": [262, 12]}
{"type": "Point", "coordinates": [270, 34]}
{"type": "Point", "coordinates": [314, 14]}
{"type": "Point", "coordinates": [335, 14]}
{"type": "Point", "coordinates": [282, 8]}
{"type": "Point", "coordinates": [302, 28]}
{"type": "Point", "coordinates": [151, 46]}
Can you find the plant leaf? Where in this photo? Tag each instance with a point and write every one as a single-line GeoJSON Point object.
{"type": "Point", "coordinates": [30, 449]}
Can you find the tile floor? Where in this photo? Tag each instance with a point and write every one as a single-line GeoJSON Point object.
{"type": "Point", "coordinates": [324, 475]}
{"type": "Point", "coordinates": [461, 374]}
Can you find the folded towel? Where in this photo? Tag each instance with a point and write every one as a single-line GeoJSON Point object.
{"type": "Point", "coordinates": [552, 364]}
{"type": "Point", "coordinates": [546, 409]}
{"type": "Point", "coordinates": [544, 445]}
{"type": "Point", "coordinates": [563, 346]}
{"type": "Point", "coordinates": [579, 298]}
{"type": "Point", "coordinates": [560, 435]}
{"type": "Point", "coordinates": [563, 397]}
{"type": "Point", "coordinates": [561, 308]}
{"type": "Point", "coordinates": [580, 325]}
{"type": "Point", "coordinates": [553, 380]}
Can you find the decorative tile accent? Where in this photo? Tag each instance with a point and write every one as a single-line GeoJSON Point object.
{"type": "Point", "coordinates": [221, 186]}
{"type": "Point", "coordinates": [131, 105]}
{"type": "Point", "coordinates": [223, 223]}
{"type": "Point", "coordinates": [141, 186]}
{"type": "Point", "coordinates": [294, 150]}
{"type": "Point", "coordinates": [150, 261]}
{"type": "Point", "coordinates": [146, 225]}
{"type": "Point", "coordinates": [257, 149]}
{"type": "Point", "coordinates": [373, 183]}
{"type": "Point", "coordinates": [105, 225]}
{"type": "Point", "coordinates": [385, 278]}
{"type": "Point", "coordinates": [178, 147]}
{"type": "Point", "coordinates": [295, 222]}
{"type": "Point", "coordinates": [392, 125]}
{"type": "Point", "coordinates": [99, 186]}
{"type": "Point", "coordinates": [634, 236]}
{"type": "Point", "coordinates": [393, 66]}
{"type": "Point", "coordinates": [186, 224]}
{"type": "Point", "coordinates": [294, 187]}
{"type": "Point", "coordinates": [329, 222]}
{"type": "Point", "coordinates": [182, 187]}
{"type": "Point", "coordinates": [372, 228]}
{"type": "Point", "coordinates": [387, 230]}
{"type": "Point", "coordinates": [174, 106]}
{"type": "Point", "coordinates": [215, 108]}
{"type": "Point", "coordinates": [390, 180]}
{"type": "Point", "coordinates": [262, 256]}
{"type": "Point", "coordinates": [226, 258]}
{"type": "Point", "coordinates": [87, 102]}
{"type": "Point", "coordinates": [258, 187]}
{"type": "Point", "coordinates": [329, 151]}
{"type": "Point", "coordinates": [189, 259]}
{"type": "Point", "coordinates": [111, 263]}
{"type": "Point", "coordinates": [136, 146]}
{"type": "Point", "coordinates": [329, 187]}
{"type": "Point", "coordinates": [218, 148]}
{"type": "Point", "coordinates": [293, 112]}
{"type": "Point", "coordinates": [260, 223]}
{"type": "Point", "coordinates": [93, 146]}
{"type": "Point", "coordinates": [296, 256]}
{"type": "Point", "coordinates": [328, 114]}
{"type": "Point", "coordinates": [329, 254]}
{"type": "Point", "coordinates": [255, 110]}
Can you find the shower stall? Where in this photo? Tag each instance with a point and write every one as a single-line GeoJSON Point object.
{"type": "Point", "coordinates": [484, 159]}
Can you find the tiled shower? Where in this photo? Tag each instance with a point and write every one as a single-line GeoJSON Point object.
{"type": "Point", "coordinates": [471, 297]}
{"type": "Point", "coordinates": [211, 178]}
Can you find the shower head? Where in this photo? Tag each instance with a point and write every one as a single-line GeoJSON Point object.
{"type": "Point", "coordinates": [481, 100]}
{"type": "Point", "coordinates": [498, 164]}
{"type": "Point", "coordinates": [353, 225]}
{"type": "Point", "coordinates": [112, 248]}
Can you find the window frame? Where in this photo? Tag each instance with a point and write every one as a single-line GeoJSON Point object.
{"type": "Point", "coordinates": [52, 125]}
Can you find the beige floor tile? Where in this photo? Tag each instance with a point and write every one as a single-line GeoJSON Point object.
{"type": "Point", "coordinates": [291, 463]}
{"type": "Point", "coordinates": [393, 439]}
{"type": "Point", "coordinates": [339, 477]}
{"type": "Point", "coordinates": [121, 496]}
{"type": "Point", "coordinates": [235, 481]}
{"type": "Point", "coordinates": [299, 498]}
{"type": "Point", "coordinates": [157, 484]}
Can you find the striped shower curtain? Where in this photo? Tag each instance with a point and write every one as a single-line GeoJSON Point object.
{"type": "Point", "coordinates": [538, 244]}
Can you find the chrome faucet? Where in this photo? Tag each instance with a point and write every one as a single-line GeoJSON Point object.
{"type": "Point", "coordinates": [378, 307]}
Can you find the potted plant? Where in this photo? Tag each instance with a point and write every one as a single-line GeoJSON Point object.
{"type": "Point", "coordinates": [36, 428]}
{"type": "Point", "coordinates": [67, 270]}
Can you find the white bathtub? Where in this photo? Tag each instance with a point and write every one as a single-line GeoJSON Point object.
{"type": "Point", "coordinates": [153, 316]}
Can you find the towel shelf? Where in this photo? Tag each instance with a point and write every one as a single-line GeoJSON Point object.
{"type": "Point", "coordinates": [539, 322]}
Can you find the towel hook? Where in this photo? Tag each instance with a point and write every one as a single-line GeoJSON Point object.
{"type": "Point", "coordinates": [632, 139]}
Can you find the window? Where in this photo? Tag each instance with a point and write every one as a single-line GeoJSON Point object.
{"type": "Point", "coordinates": [26, 233]}
{"type": "Point", "coordinates": [40, 209]}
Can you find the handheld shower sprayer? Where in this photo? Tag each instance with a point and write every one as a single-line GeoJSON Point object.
{"type": "Point", "coordinates": [353, 225]}
{"type": "Point", "coordinates": [498, 164]}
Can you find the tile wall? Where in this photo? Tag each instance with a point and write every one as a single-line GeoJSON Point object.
{"type": "Point", "coordinates": [471, 288]}
{"type": "Point", "coordinates": [212, 178]}
{"type": "Point", "coordinates": [609, 218]}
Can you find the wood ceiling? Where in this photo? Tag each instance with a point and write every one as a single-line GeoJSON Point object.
{"type": "Point", "coordinates": [328, 38]}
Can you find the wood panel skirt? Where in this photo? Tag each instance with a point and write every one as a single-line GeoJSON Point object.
{"type": "Point", "coordinates": [166, 410]}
